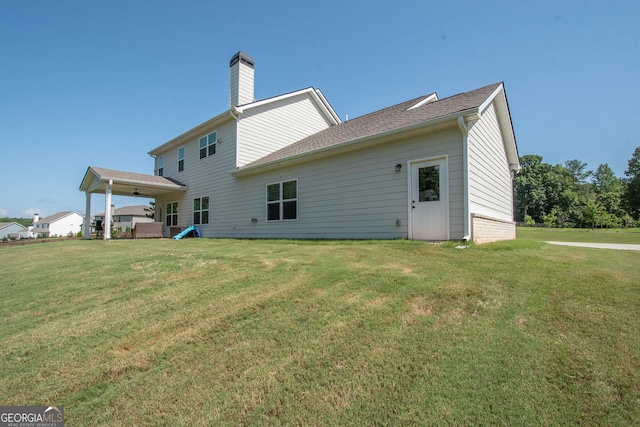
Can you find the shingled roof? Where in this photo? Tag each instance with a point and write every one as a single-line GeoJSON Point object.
{"type": "Point", "coordinates": [128, 183]}
{"type": "Point", "coordinates": [396, 117]}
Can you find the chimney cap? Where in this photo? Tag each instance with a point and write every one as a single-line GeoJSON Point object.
{"type": "Point", "coordinates": [242, 57]}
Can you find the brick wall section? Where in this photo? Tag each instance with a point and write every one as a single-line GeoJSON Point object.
{"type": "Point", "coordinates": [485, 229]}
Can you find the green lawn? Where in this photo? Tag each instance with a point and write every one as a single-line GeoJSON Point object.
{"type": "Point", "coordinates": [619, 235]}
{"type": "Point", "coordinates": [240, 332]}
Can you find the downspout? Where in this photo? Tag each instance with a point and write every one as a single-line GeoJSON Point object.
{"type": "Point", "coordinates": [465, 177]}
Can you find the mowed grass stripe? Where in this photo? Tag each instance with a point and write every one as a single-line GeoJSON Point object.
{"type": "Point", "coordinates": [202, 332]}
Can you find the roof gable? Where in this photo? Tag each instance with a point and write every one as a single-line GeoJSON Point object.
{"type": "Point", "coordinates": [57, 217]}
{"type": "Point", "coordinates": [315, 95]}
{"type": "Point", "coordinates": [8, 224]}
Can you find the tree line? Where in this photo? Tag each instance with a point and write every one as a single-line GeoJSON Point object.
{"type": "Point", "coordinates": [22, 221]}
{"type": "Point", "coordinates": [570, 195]}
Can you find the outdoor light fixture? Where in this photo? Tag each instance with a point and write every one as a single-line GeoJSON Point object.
{"type": "Point", "coordinates": [398, 167]}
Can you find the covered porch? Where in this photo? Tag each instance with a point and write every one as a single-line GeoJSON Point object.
{"type": "Point", "coordinates": [119, 183]}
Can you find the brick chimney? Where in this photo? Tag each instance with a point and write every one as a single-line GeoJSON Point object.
{"type": "Point", "coordinates": [241, 79]}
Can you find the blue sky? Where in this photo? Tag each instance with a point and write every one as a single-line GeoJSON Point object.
{"type": "Point", "coordinates": [101, 83]}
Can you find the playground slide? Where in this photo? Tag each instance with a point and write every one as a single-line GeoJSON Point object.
{"type": "Point", "coordinates": [188, 230]}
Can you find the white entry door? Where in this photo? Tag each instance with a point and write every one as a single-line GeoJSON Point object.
{"type": "Point", "coordinates": [429, 200]}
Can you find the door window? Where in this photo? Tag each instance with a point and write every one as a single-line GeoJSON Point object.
{"type": "Point", "coordinates": [429, 184]}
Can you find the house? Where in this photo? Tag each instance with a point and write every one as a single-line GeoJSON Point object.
{"type": "Point", "coordinates": [12, 230]}
{"type": "Point", "coordinates": [58, 225]}
{"type": "Point", "coordinates": [288, 167]}
{"type": "Point", "coordinates": [126, 217]}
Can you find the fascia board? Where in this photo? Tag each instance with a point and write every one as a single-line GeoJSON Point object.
{"type": "Point", "coordinates": [354, 142]}
{"type": "Point", "coordinates": [168, 185]}
{"type": "Point", "coordinates": [193, 132]}
{"type": "Point", "coordinates": [506, 126]}
{"type": "Point", "coordinates": [327, 105]}
{"type": "Point", "coordinates": [489, 99]}
{"type": "Point", "coordinates": [430, 98]}
{"type": "Point", "coordinates": [318, 99]}
{"type": "Point", "coordinates": [242, 108]}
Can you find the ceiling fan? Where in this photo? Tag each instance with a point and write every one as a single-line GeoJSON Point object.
{"type": "Point", "coordinates": [136, 193]}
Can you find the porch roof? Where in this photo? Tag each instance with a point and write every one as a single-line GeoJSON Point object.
{"type": "Point", "coordinates": [128, 183]}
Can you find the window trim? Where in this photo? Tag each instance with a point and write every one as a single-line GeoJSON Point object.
{"type": "Point", "coordinates": [172, 214]}
{"type": "Point", "coordinates": [181, 159]}
{"type": "Point", "coordinates": [281, 201]}
{"type": "Point", "coordinates": [161, 166]}
{"type": "Point", "coordinates": [200, 211]}
{"type": "Point", "coordinates": [211, 141]}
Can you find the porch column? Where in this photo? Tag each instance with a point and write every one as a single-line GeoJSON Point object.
{"type": "Point", "coordinates": [87, 217]}
{"type": "Point", "coordinates": [106, 227]}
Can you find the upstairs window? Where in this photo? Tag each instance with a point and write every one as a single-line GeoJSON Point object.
{"type": "Point", "coordinates": [161, 166]}
{"type": "Point", "coordinates": [172, 214]}
{"type": "Point", "coordinates": [208, 145]}
{"type": "Point", "coordinates": [180, 159]}
{"type": "Point", "coordinates": [282, 201]}
{"type": "Point", "coordinates": [201, 210]}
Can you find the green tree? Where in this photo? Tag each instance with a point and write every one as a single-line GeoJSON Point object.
{"type": "Point", "coordinates": [578, 170]}
{"type": "Point", "coordinates": [150, 210]}
{"type": "Point", "coordinates": [632, 192]}
{"type": "Point", "coordinates": [529, 191]}
{"type": "Point", "coordinates": [591, 213]}
{"type": "Point", "coordinates": [609, 191]}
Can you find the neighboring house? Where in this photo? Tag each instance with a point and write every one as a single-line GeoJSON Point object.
{"type": "Point", "coordinates": [58, 225]}
{"type": "Point", "coordinates": [287, 167]}
{"type": "Point", "coordinates": [12, 230]}
{"type": "Point", "coordinates": [126, 217]}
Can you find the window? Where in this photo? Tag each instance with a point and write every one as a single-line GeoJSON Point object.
{"type": "Point", "coordinates": [180, 159]}
{"type": "Point", "coordinates": [172, 214]}
{"type": "Point", "coordinates": [208, 145]}
{"type": "Point", "coordinates": [429, 184]}
{"type": "Point", "coordinates": [282, 201]}
{"type": "Point", "coordinates": [201, 210]}
{"type": "Point", "coordinates": [161, 166]}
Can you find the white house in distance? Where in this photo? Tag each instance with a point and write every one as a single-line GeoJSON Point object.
{"type": "Point", "coordinates": [288, 167]}
{"type": "Point", "coordinates": [60, 224]}
{"type": "Point", "coordinates": [12, 230]}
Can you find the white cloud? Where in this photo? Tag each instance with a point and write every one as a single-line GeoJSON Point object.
{"type": "Point", "coordinates": [4, 212]}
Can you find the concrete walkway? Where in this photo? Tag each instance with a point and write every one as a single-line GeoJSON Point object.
{"type": "Point", "coordinates": [619, 246]}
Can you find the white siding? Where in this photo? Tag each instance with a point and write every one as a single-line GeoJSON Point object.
{"type": "Point", "coordinates": [204, 177]}
{"type": "Point", "coordinates": [242, 78]}
{"type": "Point", "coordinates": [490, 188]}
{"type": "Point", "coordinates": [11, 228]}
{"type": "Point", "coordinates": [354, 195]}
{"type": "Point", "coordinates": [69, 224]}
{"type": "Point", "coordinates": [270, 127]}
{"type": "Point", "coordinates": [357, 194]}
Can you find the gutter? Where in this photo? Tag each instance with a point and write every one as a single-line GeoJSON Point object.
{"type": "Point", "coordinates": [465, 177]}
